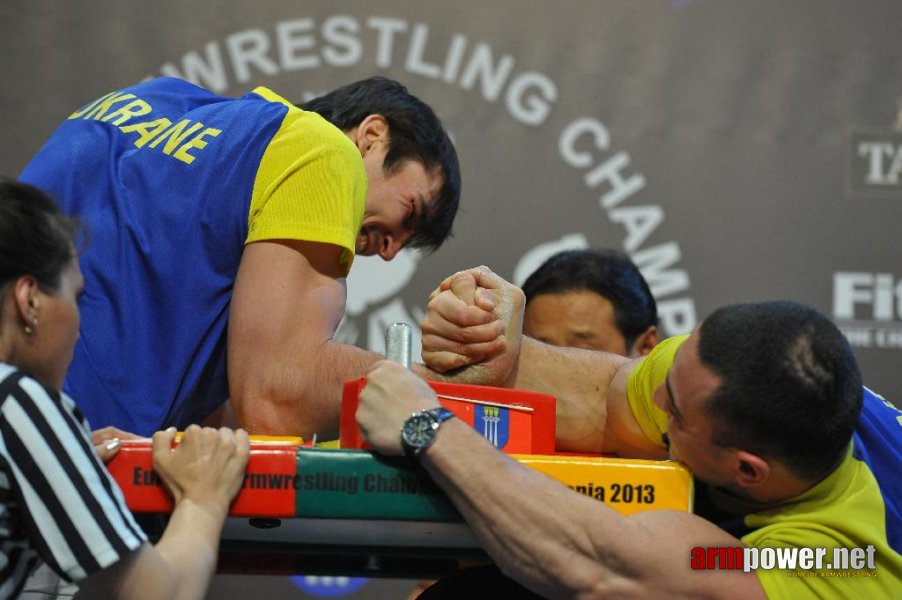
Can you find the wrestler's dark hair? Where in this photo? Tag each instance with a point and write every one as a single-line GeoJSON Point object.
{"type": "Point", "coordinates": [608, 273]}
{"type": "Point", "coordinates": [415, 132]}
{"type": "Point", "coordinates": [790, 386]}
{"type": "Point", "coordinates": [35, 238]}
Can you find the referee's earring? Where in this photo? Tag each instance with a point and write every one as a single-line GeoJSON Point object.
{"type": "Point", "coordinates": [30, 329]}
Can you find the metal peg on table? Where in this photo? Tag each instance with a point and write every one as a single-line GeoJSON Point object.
{"type": "Point", "coordinates": [397, 343]}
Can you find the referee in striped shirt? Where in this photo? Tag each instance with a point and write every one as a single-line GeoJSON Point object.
{"type": "Point", "coordinates": [58, 504]}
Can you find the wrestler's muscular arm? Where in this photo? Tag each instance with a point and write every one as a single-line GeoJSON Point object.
{"type": "Point", "coordinates": [557, 542]}
{"type": "Point", "coordinates": [593, 413]}
{"type": "Point", "coordinates": [562, 544]}
{"type": "Point", "coordinates": [285, 371]}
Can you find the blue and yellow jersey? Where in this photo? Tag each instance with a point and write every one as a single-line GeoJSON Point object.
{"type": "Point", "coordinates": [171, 182]}
{"type": "Point", "coordinates": [857, 505]}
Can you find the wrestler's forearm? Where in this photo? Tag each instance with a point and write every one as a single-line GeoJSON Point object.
{"type": "Point", "coordinates": [562, 544]}
{"type": "Point", "coordinates": [302, 396]}
{"type": "Point", "coordinates": [285, 371]}
{"type": "Point", "coordinates": [534, 528]}
{"type": "Point", "coordinates": [581, 380]}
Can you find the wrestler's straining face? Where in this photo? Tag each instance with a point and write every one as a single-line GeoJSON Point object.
{"type": "Point", "coordinates": [688, 387]}
{"type": "Point", "coordinates": [395, 201]}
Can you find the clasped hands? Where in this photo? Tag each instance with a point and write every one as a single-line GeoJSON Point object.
{"type": "Point", "coordinates": [471, 334]}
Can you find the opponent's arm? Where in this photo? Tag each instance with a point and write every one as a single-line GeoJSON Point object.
{"type": "Point", "coordinates": [593, 413]}
{"type": "Point", "coordinates": [554, 541]}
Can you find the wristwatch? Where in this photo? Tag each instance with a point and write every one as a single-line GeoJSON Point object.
{"type": "Point", "coordinates": [418, 431]}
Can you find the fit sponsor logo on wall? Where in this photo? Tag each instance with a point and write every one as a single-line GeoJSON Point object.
{"type": "Point", "coordinates": [867, 307]}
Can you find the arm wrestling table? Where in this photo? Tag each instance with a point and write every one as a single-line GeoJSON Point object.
{"type": "Point", "coordinates": [348, 511]}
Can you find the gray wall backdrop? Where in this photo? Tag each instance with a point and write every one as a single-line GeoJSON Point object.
{"type": "Point", "coordinates": [738, 150]}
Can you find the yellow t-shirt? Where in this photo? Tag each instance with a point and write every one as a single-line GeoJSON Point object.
{"type": "Point", "coordinates": [642, 383]}
{"type": "Point", "coordinates": [845, 510]}
{"type": "Point", "coordinates": [311, 183]}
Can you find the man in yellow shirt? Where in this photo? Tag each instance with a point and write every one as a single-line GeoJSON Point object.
{"type": "Point", "coordinates": [763, 402]}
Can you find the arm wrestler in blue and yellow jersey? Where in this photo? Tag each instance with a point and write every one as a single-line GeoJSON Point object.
{"type": "Point", "coordinates": [221, 233]}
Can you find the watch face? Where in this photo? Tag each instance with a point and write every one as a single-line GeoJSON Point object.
{"type": "Point", "coordinates": [418, 430]}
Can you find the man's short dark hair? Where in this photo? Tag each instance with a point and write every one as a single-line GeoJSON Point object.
{"type": "Point", "coordinates": [608, 273]}
{"type": "Point", "coordinates": [415, 133]}
{"type": "Point", "coordinates": [790, 386]}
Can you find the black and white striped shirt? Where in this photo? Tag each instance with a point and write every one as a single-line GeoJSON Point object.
{"type": "Point", "coordinates": [57, 500]}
